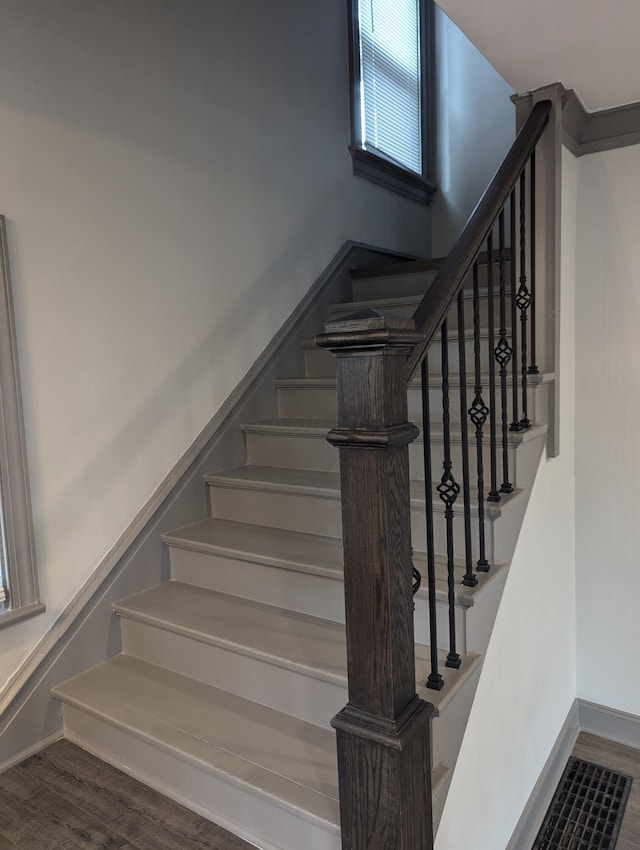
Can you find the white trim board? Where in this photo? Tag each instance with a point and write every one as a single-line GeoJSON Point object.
{"type": "Point", "coordinates": [589, 132]}
{"type": "Point", "coordinates": [23, 755]}
{"type": "Point", "coordinates": [534, 811]}
{"type": "Point", "coordinates": [584, 716]}
{"type": "Point", "coordinates": [609, 723]}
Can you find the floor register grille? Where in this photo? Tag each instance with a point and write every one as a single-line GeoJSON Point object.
{"type": "Point", "coordinates": [586, 810]}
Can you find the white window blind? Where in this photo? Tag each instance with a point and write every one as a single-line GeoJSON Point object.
{"type": "Point", "coordinates": [390, 80]}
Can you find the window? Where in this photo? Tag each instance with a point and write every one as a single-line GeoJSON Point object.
{"type": "Point", "coordinates": [391, 97]}
{"type": "Point", "coordinates": [18, 580]}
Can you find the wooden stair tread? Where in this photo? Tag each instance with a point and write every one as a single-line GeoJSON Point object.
{"type": "Point", "coordinates": [324, 485]}
{"type": "Point", "coordinates": [306, 644]}
{"type": "Point", "coordinates": [289, 426]}
{"type": "Point", "coordinates": [388, 303]}
{"type": "Point", "coordinates": [291, 761]}
{"type": "Point", "coordinates": [264, 544]}
{"type": "Point", "coordinates": [409, 266]}
{"type": "Point", "coordinates": [403, 267]}
{"type": "Point", "coordinates": [308, 553]}
{"type": "Point", "coordinates": [298, 642]}
{"type": "Point", "coordinates": [329, 382]}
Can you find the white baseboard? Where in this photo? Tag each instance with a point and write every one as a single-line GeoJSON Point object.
{"type": "Point", "coordinates": [533, 814]}
{"type": "Point", "coordinates": [584, 716]}
{"type": "Point", "coordinates": [42, 744]}
{"type": "Point", "coordinates": [609, 723]}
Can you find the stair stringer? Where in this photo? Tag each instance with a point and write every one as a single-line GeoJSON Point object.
{"type": "Point", "coordinates": [480, 628]}
{"type": "Point", "coordinates": [527, 687]}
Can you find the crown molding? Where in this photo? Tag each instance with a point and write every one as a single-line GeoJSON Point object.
{"type": "Point", "coordinates": [589, 132]}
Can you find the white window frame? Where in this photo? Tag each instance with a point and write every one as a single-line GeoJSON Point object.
{"type": "Point", "coordinates": [372, 164]}
{"type": "Point", "coordinates": [17, 541]}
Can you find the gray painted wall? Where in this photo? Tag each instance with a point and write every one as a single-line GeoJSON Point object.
{"type": "Point", "coordinates": [475, 123]}
{"type": "Point", "coordinates": [175, 175]}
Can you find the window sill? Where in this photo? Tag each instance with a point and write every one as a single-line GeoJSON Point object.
{"type": "Point", "coordinates": [391, 176]}
{"type": "Point", "coordinates": [9, 616]}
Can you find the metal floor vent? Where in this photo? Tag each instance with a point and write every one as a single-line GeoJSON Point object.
{"type": "Point", "coordinates": [586, 810]}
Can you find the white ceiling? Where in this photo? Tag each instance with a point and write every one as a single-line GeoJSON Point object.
{"type": "Point", "coordinates": [592, 46]}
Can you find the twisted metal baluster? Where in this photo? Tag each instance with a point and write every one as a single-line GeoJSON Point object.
{"type": "Point", "coordinates": [493, 495]}
{"type": "Point", "coordinates": [533, 369]}
{"type": "Point", "coordinates": [503, 355]}
{"type": "Point", "coordinates": [478, 413]}
{"type": "Point", "coordinates": [515, 423]}
{"type": "Point", "coordinates": [469, 579]}
{"type": "Point", "coordinates": [435, 680]}
{"type": "Point", "coordinates": [523, 299]}
{"type": "Point", "coordinates": [448, 490]}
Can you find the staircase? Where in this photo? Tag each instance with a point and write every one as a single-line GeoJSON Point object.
{"type": "Point", "coordinates": [231, 671]}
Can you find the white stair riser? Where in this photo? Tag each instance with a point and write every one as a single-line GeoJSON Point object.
{"type": "Point", "coordinates": [413, 284]}
{"type": "Point", "coordinates": [318, 515]}
{"type": "Point", "coordinates": [214, 795]}
{"type": "Point", "coordinates": [421, 623]}
{"type": "Point", "coordinates": [319, 362]}
{"type": "Point", "coordinates": [293, 692]}
{"type": "Point", "coordinates": [453, 350]}
{"type": "Point", "coordinates": [300, 401]}
{"type": "Point", "coordinates": [306, 593]}
{"type": "Point", "coordinates": [290, 691]}
{"type": "Point", "coordinates": [314, 452]}
{"type": "Point", "coordinates": [293, 451]}
{"type": "Point", "coordinates": [370, 289]}
{"type": "Point", "coordinates": [322, 365]}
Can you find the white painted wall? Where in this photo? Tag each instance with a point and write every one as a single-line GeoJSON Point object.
{"type": "Point", "coordinates": [475, 128]}
{"type": "Point", "coordinates": [527, 685]}
{"type": "Point", "coordinates": [607, 417]}
{"type": "Point", "coordinates": [175, 175]}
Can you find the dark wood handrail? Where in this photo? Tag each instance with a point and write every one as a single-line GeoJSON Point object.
{"type": "Point", "coordinates": [440, 296]}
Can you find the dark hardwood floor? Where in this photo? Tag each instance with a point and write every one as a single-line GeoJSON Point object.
{"type": "Point", "coordinates": [624, 760]}
{"type": "Point", "coordinates": [65, 799]}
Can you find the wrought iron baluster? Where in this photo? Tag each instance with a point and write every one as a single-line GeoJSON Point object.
{"type": "Point", "coordinates": [515, 423]}
{"type": "Point", "coordinates": [533, 369]}
{"type": "Point", "coordinates": [523, 299]}
{"type": "Point", "coordinates": [469, 579]}
{"type": "Point", "coordinates": [478, 413]}
{"type": "Point", "coordinates": [435, 680]}
{"type": "Point", "coordinates": [494, 494]}
{"type": "Point", "coordinates": [448, 490]}
{"type": "Point", "coordinates": [502, 356]}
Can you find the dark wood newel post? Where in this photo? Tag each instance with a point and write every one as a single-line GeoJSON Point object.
{"type": "Point", "coordinates": [383, 733]}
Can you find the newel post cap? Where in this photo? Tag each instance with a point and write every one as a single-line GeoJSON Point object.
{"type": "Point", "coordinates": [369, 328]}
